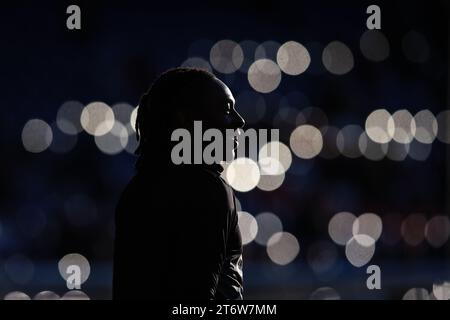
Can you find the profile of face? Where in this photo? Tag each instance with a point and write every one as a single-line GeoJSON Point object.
{"type": "Point", "coordinates": [216, 109]}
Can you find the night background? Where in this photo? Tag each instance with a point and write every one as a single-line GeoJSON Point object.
{"type": "Point", "coordinates": [352, 173]}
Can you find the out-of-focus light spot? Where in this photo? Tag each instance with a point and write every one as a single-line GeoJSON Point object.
{"type": "Point", "coordinates": [437, 231]}
{"type": "Point", "coordinates": [405, 126]}
{"type": "Point", "coordinates": [133, 117]}
{"type": "Point", "coordinates": [268, 224]}
{"type": "Point", "coordinates": [321, 256]}
{"type": "Point", "coordinates": [68, 117]}
{"type": "Point", "coordinates": [413, 229]}
{"type": "Point", "coordinates": [122, 112]}
{"type": "Point", "coordinates": [360, 249]}
{"type": "Point", "coordinates": [370, 149]}
{"type": "Point", "coordinates": [282, 248]}
{"type": "Point", "coordinates": [19, 269]}
{"type": "Point", "coordinates": [340, 227]}
{"type": "Point", "coordinates": [77, 260]}
{"type": "Point", "coordinates": [337, 58]}
{"type": "Point", "coordinates": [415, 47]}
{"type": "Point", "coordinates": [347, 141]}
{"type": "Point", "coordinates": [36, 135]}
{"type": "Point", "coordinates": [251, 106]}
{"type": "Point", "coordinates": [248, 48]}
{"type": "Point", "coordinates": [443, 120]}
{"type": "Point", "coordinates": [75, 295]}
{"type": "Point", "coordinates": [329, 149]}
{"type": "Point", "coordinates": [306, 141]}
{"type": "Point", "coordinates": [198, 63]}
{"type": "Point", "coordinates": [374, 45]}
{"type": "Point", "coordinates": [441, 290]}
{"type": "Point", "coordinates": [426, 126]}
{"type": "Point", "coordinates": [132, 142]}
{"type": "Point", "coordinates": [264, 75]}
{"type": "Point", "coordinates": [62, 142]}
{"type": "Point", "coordinates": [293, 58]}
{"type": "Point", "coordinates": [114, 141]}
{"type": "Point", "coordinates": [380, 126]}
{"type": "Point", "coordinates": [325, 293]}
{"type": "Point", "coordinates": [17, 295]}
{"type": "Point", "coordinates": [274, 158]}
{"type": "Point", "coordinates": [226, 56]}
{"type": "Point", "coordinates": [46, 295]}
{"type": "Point", "coordinates": [416, 294]}
{"type": "Point", "coordinates": [368, 224]}
{"type": "Point", "coordinates": [419, 151]}
{"type": "Point", "coordinates": [242, 174]}
{"type": "Point", "coordinates": [248, 227]}
{"type": "Point", "coordinates": [267, 50]}
{"type": "Point", "coordinates": [97, 118]}
{"type": "Point", "coordinates": [270, 182]}
{"type": "Point", "coordinates": [397, 151]}
{"type": "Point", "coordinates": [80, 210]}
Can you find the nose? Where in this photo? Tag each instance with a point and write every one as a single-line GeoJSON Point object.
{"type": "Point", "coordinates": [238, 121]}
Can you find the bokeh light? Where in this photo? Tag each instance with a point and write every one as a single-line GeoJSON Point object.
{"type": "Point", "coordinates": [380, 126]}
{"type": "Point", "coordinates": [283, 248]}
{"type": "Point", "coordinates": [36, 135]}
{"type": "Point", "coordinates": [368, 224]}
{"type": "Point", "coordinates": [242, 174]}
{"type": "Point", "coordinates": [416, 294]}
{"type": "Point", "coordinates": [114, 141]}
{"type": "Point", "coordinates": [293, 58]}
{"type": "Point", "coordinates": [437, 231]}
{"type": "Point", "coordinates": [97, 118]}
{"type": "Point", "coordinates": [226, 56]}
{"type": "Point", "coordinates": [441, 290]}
{"type": "Point", "coordinates": [426, 126]}
{"type": "Point", "coordinates": [46, 295]}
{"type": "Point", "coordinates": [248, 227]}
{"type": "Point", "coordinates": [306, 141]}
{"type": "Point", "coordinates": [337, 58]}
{"type": "Point", "coordinates": [360, 249]}
{"type": "Point", "coordinates": [68, 117]}
{"type": "Point", "coordinates": [75, 295]}
{"type": "Point", "coordinates": [324, 293]}
{"type": "Point", "coordinates": [16, 295]}
{"type": "Point", "coordinates": [274, 158]}
{"type": "Point", "coordinates": [413, 229]}
{"type": "Point", "coordinates": [74, 259]}
{"type": "Point", "coordinates": [340, 227]}
{"type": "Point", "coordinates": [264, 75]}
{"type": "Point", "coordinates": [374, 45]}
{"type": "Point", "coordinates": [347, 141]}
{"type": "Point", "coordinates": [268, 225]}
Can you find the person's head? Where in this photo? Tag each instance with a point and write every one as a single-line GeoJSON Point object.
{"type": "Point", "coordinates": [178, 98]}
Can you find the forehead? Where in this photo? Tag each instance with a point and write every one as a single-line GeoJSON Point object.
{"type": "Point", "coordinates": [220, 90]}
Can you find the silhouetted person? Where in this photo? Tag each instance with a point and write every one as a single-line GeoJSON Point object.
{"type": "Point", "coordinates": [177, 234]}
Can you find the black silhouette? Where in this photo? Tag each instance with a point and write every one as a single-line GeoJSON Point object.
{"type": "Point", "coordinates": [177, 234]}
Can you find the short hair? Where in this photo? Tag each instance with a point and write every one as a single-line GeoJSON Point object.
{"type": "Point", "coordinates": [172, 91]}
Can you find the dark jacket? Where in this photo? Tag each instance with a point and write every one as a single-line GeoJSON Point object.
{"type": "Point", "coordinates": [177, 236]}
